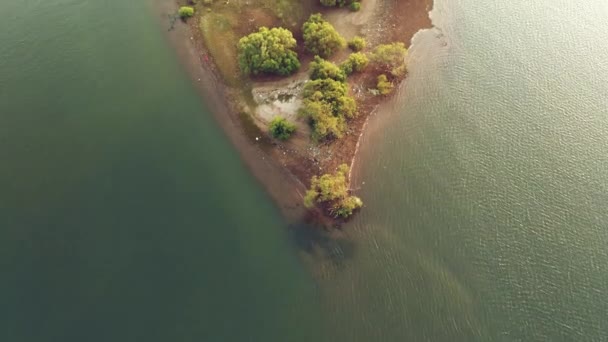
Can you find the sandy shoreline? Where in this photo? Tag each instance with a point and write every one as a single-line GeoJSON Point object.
{"type": "Point", "coordinates": [397, 20]}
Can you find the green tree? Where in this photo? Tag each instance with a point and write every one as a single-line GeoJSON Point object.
{"type": "Point", "coordinates": [281, 129]}
{"type": "Point", "coordinates": [384, 86]}
{"type": "Point", "coordinates": [320, 37]}
{"type": "Point", "coordinates": [339, 3]}
{"type": "Point", "coordinates": [356, 62]}
{"type": "Point", "coordinates": [346, 207]}
{"type": "Point", "coordinates": [268, 51]}
{"type": "Point", "coordinates": [331, 191]}
{"type": "Point", "coordinates": [332, 92]}
{"type": "Point", "coordinates": [185, 12]}
{"type": "Point", "coordinates": [328, 3]}
{"type": "Point", "coordinates": [327, 105]}
{"type": "Point", "coordinates": [324, 123]}
{"type": "Point", "coordinates": [355, 6]}
{"type": "Point", "coordinates": [320, 69]}
{"type": "Point", "coordinates": [357, 44]}
{"type": "Point", "coordinates": [391, 58]}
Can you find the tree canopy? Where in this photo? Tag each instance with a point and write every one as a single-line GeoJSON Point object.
{"type": "Point", "coordinates": [339, 3]}
{"type": "Point", "coordinates": [325, 124]}
{"type": "Point", "coordinates": [327, 104]}
{"type": "Point", "coordinates": [326, 100]}
{"type": "Point", "coordinates": [320, 68]}
{"type": "Point", "coordinates": [280, 128]}
{"type": "Point", "coordinates": [391, 58]}
{"type": "Point", "coordinates": [355, 6]}
{"type": "Point", "coordinates": [357, 44]}
{"type": "Point", "coordinates": [356, 62]}
{"type": "Point", "coordinates": [332, 92]}
{"type": "Point", "coordinates": [268, 51]}
{"type": "Point", "coordinates": [320, 37]}
{"type": "Point", "coordinates": [185, 12]}
{"type": "Point", "coordinates": [331, 191]}
{"type": "Point", "coordinates": [384, 86]}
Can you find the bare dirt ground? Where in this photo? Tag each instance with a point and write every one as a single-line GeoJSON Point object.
{"type": "Point", "coordinates": [285, 168]}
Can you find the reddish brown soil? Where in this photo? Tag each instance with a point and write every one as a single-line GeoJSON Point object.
{"type": "Point", "coordinates": [400, 20]}
{"type": "Point", "coordinates": [405, 18]}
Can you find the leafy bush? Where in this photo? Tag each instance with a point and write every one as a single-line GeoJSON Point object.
{"type": "Point", "coordinates": [268, 51]}
{"type": "Point", "coordinates": [281, 129]}
{"type": "Point", "coordinates": [328, 3]}
{"type": "Point", "coordinates": [327, 105]}
{"type": "Point", "coordinates": [320, 69]}
{"type": "Point", "coordinates": [356, 62]}
{"type": "Point", "coordinates": [391, 58]}
{"type": "Point", "coordinates": [334, 93]}
{"type": "Point", "coordinates": [185, 12]}
{"type": "Point", "coordinates": [320, 37]}
{"type": "Point", "coordinates": [325, 124]}
{"type": "Point", "coordinates": [357, 44]}
{"type": "Point", "coordinates": [346, 207]}
{"type": "Point", "coordinates": [340, 3]}
{"type": "Point", "coordinates": [384, 85]}
{"type": "Point", "coordinates": [332, 191]}
{"type": "Point", "coordinates": [355, 6]}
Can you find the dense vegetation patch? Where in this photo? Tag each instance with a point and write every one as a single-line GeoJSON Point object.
{"type": "Point", "coordinates": [320, 69]}
{"type": "Point", "coordinates": [341, 3]}
{"type": "Point", "coordinates": [268, 51]}
{"type": "Point", "coordinates": [331, 191]}
{"type": "Point", "coordinates": [355, 6]}
{"type": "Point", "coordinates": [390, 58]}
{"type": "Point", "coordinates": [356, 62]}
{"type": "Point", "coordinates": [326, 101]}
{"type": "Point", "coordinates": [384, 86]}
{"type": "Point", "coordinates": [357, 44]}
{"type": "Point", "coordinates": [185, 12]}
{"type": "Point", "coordinates": [281, 129]}
{"type": "Point", "coordinates": [320, 37]}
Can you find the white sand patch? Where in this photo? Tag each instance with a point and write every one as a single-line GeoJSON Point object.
{"type": "Point", "coordinates": [278, 100]}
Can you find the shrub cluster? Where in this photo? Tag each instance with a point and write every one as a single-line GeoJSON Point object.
{"type": "Point", "coordinates": [356, 62]}
{"type": "Point", "coordinates": [326, 100]}
{"type": "Point", "coordinates": [391, 58]}
{"type": "Point", "coordinates": [384, 86]}
{"type": "Point", "coordinates": [354, 5]}
{"type": "Point", "coordinates": [331, 191]}
{"type": "Point", "coordinates": [320, 37]}
{"type": "Point", "coordinates": [185, 12]}
{"type": "Point", "coordinates": [281, 129]}
{"type": "Point", "coordinates": [357, 44]}
{"type": "Point", "coordinates": [320, 69]}
{"type": "Point", "coordinates": [268, 51]}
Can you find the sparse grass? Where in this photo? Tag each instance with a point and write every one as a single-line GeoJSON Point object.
{"type": "Point", "coordinates": [223, 24]}
{"type": "Point", "coordinates": [217, 30]}
{"type": "Point", "coordinates": [291, 12]}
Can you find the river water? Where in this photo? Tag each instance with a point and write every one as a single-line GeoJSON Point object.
{"type": "Point", "coordinates": [125, 215]}
{"type": "Point", "coordinates": [486, 196]}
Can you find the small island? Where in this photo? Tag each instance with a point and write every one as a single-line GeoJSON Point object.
{"type": "Point", "coordinates": [304, 76]}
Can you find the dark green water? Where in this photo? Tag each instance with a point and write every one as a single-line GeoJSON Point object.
{"type": "Point", "coordinates": [486, 194]}
{"type": "Point", "coordinates": [125, 215]}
